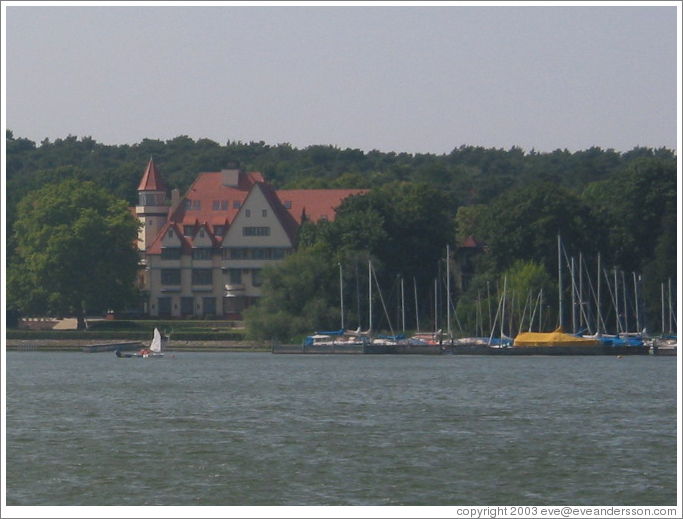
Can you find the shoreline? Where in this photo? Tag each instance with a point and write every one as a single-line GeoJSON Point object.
{"type": "Point", "coordinates": [175, 346]}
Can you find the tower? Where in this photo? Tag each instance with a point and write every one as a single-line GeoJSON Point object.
{"type": "Point", "coordinates": [151, 210]}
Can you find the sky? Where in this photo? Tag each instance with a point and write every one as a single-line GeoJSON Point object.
{"type": "Point", "coordinates": [415, 78]}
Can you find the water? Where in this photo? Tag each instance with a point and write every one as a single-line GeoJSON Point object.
{"type": "Point", "coordinates": [259, 429]}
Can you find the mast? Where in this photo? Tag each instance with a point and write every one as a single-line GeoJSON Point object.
{"type": "Point", "coordinates": [671, 328]}
{"type": "Point", "coordinates": [341, 295]}
{"type": "Point", "coordinates": [573, 297]}
{"type": "Point", "coordinates": [599, 329]}
{"type": "Point", "coordinates": [635, 296]}
{"type": "Point", "coordinates": [559, 276]}
{"type": "Point", "coordinates": [403, 307]}
{"type": "Point", "coordinates": [502, 315]}
{"type": "Point", "coordinates": [663, 326]}
{"type": "Point", "coordinates": [436, 308]}
{"type": "Point", "coordinates": [417, 313]}
{"type": "Point", "coordinates": [448, 291]}
{"type": "Point", "coordinates": [623, 282]}
{"type": "Point", "coordinates": [581, 292]}
{"type": "Point", "coordinates": [616, 299]}
{"type": "Point", "coordinates": [370, 294]}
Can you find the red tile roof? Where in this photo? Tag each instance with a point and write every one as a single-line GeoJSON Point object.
{"type": "Point", "coordinates": [315, 203]}
{"type": "Point", "coordinates": [471, 242]}
{"type": "Point", "coordinates": [209, 202]}
{"type": "Point", "coordinates": [151, 180]}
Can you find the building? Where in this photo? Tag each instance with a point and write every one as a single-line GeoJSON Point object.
{"type": "Point", "coordinates": [204, 254]}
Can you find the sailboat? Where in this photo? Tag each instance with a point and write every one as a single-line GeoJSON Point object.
{"type": "Point", "coordinates": [153, 351]}
{"type": "Point", "coordinates": [338, 341]}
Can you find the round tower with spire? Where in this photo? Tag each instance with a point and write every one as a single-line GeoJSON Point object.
{"type": "Point", "coordinates": [152, 210]}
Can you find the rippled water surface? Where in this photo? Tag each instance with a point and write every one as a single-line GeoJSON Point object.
{"type": "Point", "coordinates": [263, 429]}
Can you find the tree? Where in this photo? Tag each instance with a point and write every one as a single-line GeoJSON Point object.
{"type": "Point", "coordinates": [297, 296]}
{"type": "Point", "coordinates": [75, 252]}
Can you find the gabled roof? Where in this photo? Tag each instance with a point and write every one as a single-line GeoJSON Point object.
{"type": "Point", "coordinates": [151, 179]}
{"type": "Point", "coordinates": [210, 202]}
{"type": "Point", "coordinates": [288, 222]}
{"type": "Point", "coordinates": [207, 189]}
{"type": "Point", "coordinates": [471, 243]}
{"type": "Point", "coordinates": [315, 203]}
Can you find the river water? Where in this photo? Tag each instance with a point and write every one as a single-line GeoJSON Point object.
{"type": "Point", "coordinates": [256, 429]}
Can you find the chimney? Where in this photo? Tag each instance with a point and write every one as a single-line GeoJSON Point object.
{"type": "Point", "coordinates": [230, 177]}
{"type": "Point", "coordinates": [175, 199]}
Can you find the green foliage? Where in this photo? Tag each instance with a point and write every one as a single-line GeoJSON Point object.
{"type": "Point", "coordinates": [296, 296]}
{"type": "Point", "coordinates": [620, 204]}
{"type": "Point", "coordinates": [75, 251]}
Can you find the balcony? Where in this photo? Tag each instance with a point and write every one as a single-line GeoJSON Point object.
{"type": "Point", "coordinates": [234, 290]}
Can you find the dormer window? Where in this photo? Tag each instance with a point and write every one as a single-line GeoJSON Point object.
{"type": "Point", "coordinates": [236, 204]}
{"type": "Point", "coordinates": [196, 205]}
{"type": "Point", "coordinates": [216, 205]}
{"type": "Point", "coordinates": [224, 205]}
{"type": "Point", "coordinates": [218, 230]}
{"type": "Point", "coordinates": [288, 204]}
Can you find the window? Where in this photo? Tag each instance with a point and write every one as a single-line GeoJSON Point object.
{"type": "Point", "coordinates": [216, 205]}
{"type": "Point", "coordinates": [264, 213]}
{"type": "Point", "coordinates": [288, 204]}
{"type": "Point", "coordinates": [236, 254]}
{"type": "Point", "coordinates": [201, 253]}
{"type": "Point", "coordinates": [187, 305]}
{"type": "Point", "coordinates": [170, 233]}
{"type": "Point", "coordinates": [218, 230]}
{"type": "Point", "coordinates": [247, 213]}
{"type": "Point", "coordinates": [255, 231]}
{"type": "Point", "coordinates": [235, 276]}
{"type": "Point", "coordinates": [257, 254]}
{"type": "Point", "coordinates": [197, 204]}
{"type": "Point", "coordinates": [278, 254]}
{"type": "Point", "coordinates": [188, 205]}
{"type": "Point", "coordinates": [151, 199]}
{"type": "Point", "coordinates": [188, 230]}
{"type": "Point", "coordinates": [170, 276]}
{"type": "Point", "coordinates": [170, 253]}
{"type": "Point", "coordinates": [224, 205]}
{"type": "Point", "coordinates": [236, 204]}
{"type": "Point", "coordinates": [202, 276]}
{"type": "Point", "coordinates": [209, 306]}
{"type": "Point", "coordinates": [164, 305]}
{"type": "Point", "coordinates": [256, 277]}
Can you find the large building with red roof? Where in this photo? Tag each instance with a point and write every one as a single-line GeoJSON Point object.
{"type": "Point", "coordinates": [204, 253]}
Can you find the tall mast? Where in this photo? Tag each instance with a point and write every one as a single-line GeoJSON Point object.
{"type": "Point", "coordinates": [403, 307]}
{"type": "Point", "coordinates": [599, 329]}
{"type": "Point", "coordinates": [417, 313]}
{"type": "Point", "coordinates": [341, 295]}
{"type": "Point", "coordinates": [623, 282]}
{"type": "Point", "coordinates": [663, 325]}
{"type": "Point", "coordinates": [559, 276]}
{"type": "Point", "coordinates": [616, 299]}
{"type": "Point", "coordinates": [448, 291]}
{"type": "Point", "coordinates": [671, 328]}
{"type": "Point", "coordinates": [436, 302]}
{"type": "Point", "coordinates": [573, 297]}
{"type": "Point", "coordinates": [370, 293]}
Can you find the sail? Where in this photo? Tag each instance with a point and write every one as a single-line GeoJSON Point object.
{"type": "Point", "coordinates": [156, 342]}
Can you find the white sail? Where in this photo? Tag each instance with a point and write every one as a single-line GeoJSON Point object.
{"type": "Point", "coordinates": [156, 342]}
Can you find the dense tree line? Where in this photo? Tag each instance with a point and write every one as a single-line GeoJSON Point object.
{"type": "Point", "coordinates": [621, 205]}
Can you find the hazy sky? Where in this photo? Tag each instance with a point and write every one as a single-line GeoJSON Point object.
{"type": "Point", "coordinates": [413, 78]}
